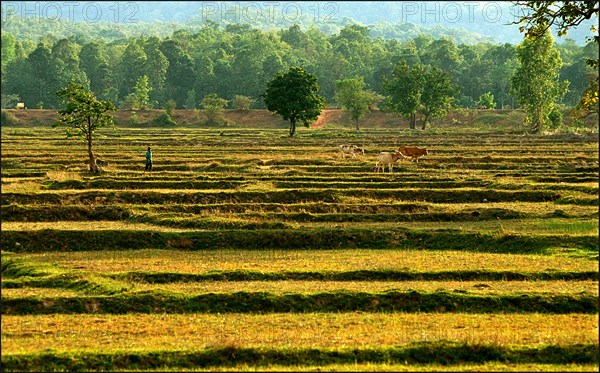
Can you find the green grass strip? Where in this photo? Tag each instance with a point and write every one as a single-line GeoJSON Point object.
{"type": "Point", "coordinates": [284, 196]}
{"type": "Point", "coordinates": [339, 238]}
{"type": "Point", "coordinates": [19, 273]}
{"type": "Point", "coordinates": [424, 353]}
{"type": "Point", "coordinates": [360, 275]}
{"type": "Point", "coordinates": [338, 301]}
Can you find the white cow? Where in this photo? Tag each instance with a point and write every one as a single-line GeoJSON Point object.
{"type": "Point", "coordinates": [351, 149]}
{"type": "Point", "coordinates": [386, 158]}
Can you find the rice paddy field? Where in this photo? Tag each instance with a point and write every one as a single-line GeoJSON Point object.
{"type": "Point", "coordinates": [248, 250]}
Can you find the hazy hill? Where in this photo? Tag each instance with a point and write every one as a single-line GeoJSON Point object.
{"type": "Point", "coordinates": [466, 22]}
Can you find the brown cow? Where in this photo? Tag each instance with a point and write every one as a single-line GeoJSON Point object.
{"type": "Point", "coordinates": [413, 152]}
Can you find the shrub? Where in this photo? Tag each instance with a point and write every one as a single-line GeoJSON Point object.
{"type": "Point", "coordinates": [555, 117]}
{"type": "Point", "coordinates": [8, 119]}
{"type": "Point", "coordinates": [486, 101]}
{"type": "Point", "coordinates": [133, 118]}
{"type": "Point", "coordinates": [164, 120]}
{"type": "Point", "coordinates": [213, 109]}
{"type": "Point", "coordinates": [170, 106]}
{"type": "Point", "coordinates": [243, 102]}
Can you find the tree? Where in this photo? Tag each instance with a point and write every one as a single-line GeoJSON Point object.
{"type": "Point", "coordinates": [155, 68]}
{"type": "Point", "coordinates": [486, 101]}
{"type": "Point", "coordinates": [294, 96]}
{"type": "Point", "coordinates": [424, 90]}
{"type": "Point", "coordinates": [8, 101]}
{"type": "Point", "coordinates": [131, 68]}
{"type": "Point", "coordinates": [93, 61]}
{"type": "Point", "coordinates": [404, 89]}
{"type": "Point", "coordinates": [39, 77]}
{"type": "Point", "coordinates": [353, 98]}
{"type": "Point", "coordinates": [436, 99]}
{"type": "Point", "coordinates": [564, 15]}
{"type": "Point", "coordinates": [170, 106]}
{"type": "Point", "coordinates": [84, 114]}
{"type": "Point", "coordinates": [536, 81]}
{"type": "Point", "coordinates": [213, 108]}
{"type": "Point", "coordinates": [141, 90]}
{"type": "Point", "coordinates": [243, 103]}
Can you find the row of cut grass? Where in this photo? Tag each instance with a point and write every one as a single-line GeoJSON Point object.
{"type": "Point", "coordinates": [28, 240]}
{"type": "Point", "coordinates": [63, 332]}
{"type": "Point", "coordinates": [334, 301]}
{"type": "Point", "coordinates": [430, 353]}
{"type": "Point", "coordinates": [334, 260]}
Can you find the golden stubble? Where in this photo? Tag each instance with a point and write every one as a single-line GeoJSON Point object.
{"type": "Point", "coordinates": [23, 334]}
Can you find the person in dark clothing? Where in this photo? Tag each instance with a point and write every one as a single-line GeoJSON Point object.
{"type": "Point", "coordinates": [149, 160]}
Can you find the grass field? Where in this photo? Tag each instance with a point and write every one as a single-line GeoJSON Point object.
{"type": "Point", "coordinates": [245, 249]}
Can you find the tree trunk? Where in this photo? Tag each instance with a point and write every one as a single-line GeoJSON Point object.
{"type": "Point", "coordinates": [93, 166]}
{"type": "Point", "coordinates": [413, 121]}
{"type": "Point", "coordinates": [425, 121]}
{"type": "Point", "coordinates": [537, 121]}
{"type": "Point", "coordinates": [356, 122]}
{"type": "Point", "coordinates": [292, 127]}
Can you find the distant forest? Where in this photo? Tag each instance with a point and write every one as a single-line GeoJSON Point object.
{"type": "Point", "coordinates": [186, 63]}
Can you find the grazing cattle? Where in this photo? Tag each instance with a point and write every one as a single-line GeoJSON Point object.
{"type": "Point", "coordinates": [351, 149]}
{"type": "Point", "coordinates": [413, 152]}
{"type": "Point", "coordinates": [100, 162]}
{"type": "Point", "coordinates": [386, 158]}
{"type": "Point", "coordinates": [20, 105]}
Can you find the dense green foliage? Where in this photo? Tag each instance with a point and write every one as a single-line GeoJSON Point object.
{"type": "Point", "coordinates": [352, 97]}
{"type": "Point", "coordinates": [566, 16]}
{"type": "Point", "coordinates": [294, 96]}
{"type": "Point", "coordinates": [239, 59]}
{"type": "Point", "coordinates": [427, 91]}
{"type": "Point", "coordinates": [535, 83]}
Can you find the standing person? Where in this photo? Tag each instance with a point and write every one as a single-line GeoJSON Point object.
{"type": "Point", "coordinates": [149, 160]}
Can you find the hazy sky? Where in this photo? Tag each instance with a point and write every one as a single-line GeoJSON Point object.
{"type": "Point", "coordinates": [489, 18]}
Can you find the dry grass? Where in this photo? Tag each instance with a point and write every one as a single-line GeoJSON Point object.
{"type": "Point", "coordinates": [21, 334]}
{"type": "Point", "coordinates": [63, 175]}
{"type": "Point", "coordinates": [254, 156]}
{"type": "Point", "coordinates": [37, 292]}
{"type": "Point", "coordinates": [306, 260]}
{"type": "Point", "coordinates": [489, 367]}
{"type": "Point", "coordinates": [470, 287]}
{"type": "Point", "coordinates": [516, 226]}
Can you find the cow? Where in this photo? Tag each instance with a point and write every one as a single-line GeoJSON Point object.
{"type": "Point", "coordinates": [100, 162]}
{"type": "Point", "coordinates": [351, 149]}
{"type": "Point", "coordinates": [386, 158]}
{"type": "Point", "coordinates": [413, 152]}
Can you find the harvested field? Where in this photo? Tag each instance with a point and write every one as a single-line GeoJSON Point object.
{"type": "Point", "coordinates": [245, 249]}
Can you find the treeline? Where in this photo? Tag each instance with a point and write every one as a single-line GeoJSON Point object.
{"type": "Point", "coordinates": [238, 59]}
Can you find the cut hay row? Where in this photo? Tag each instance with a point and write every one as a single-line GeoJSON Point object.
{"type": "Point", "coordinates": [417, 262]}
{"type": "Point", "coordinates": [111, 333]}
{"type": "Point", "coordinates": [440, 354]}
{"type": "Point", "coordinates": [261, 238]}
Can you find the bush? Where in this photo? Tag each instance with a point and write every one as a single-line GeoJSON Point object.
{"type": "Point", "coordinates": [133, 119]}
{"type": "Point", "coordinates": [555, 117]}
{"type": "Point", "coordinates": [243, 102]}
{"type": "Point", "coordinates": [164, 120]}
{"type": "Point", "coordinates": [170, 106]}
{"type": "Point", "coordinates": [213, 109]}
{"type": "Point", "coordinates": [8, 119]}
